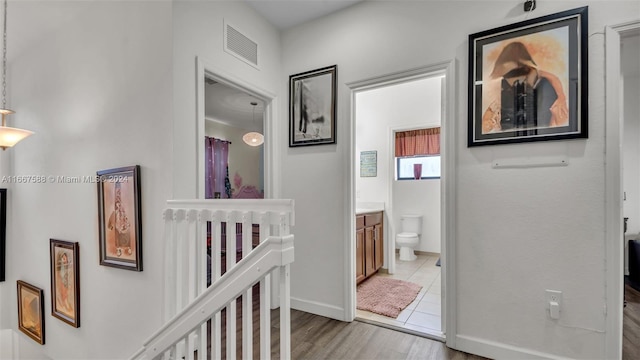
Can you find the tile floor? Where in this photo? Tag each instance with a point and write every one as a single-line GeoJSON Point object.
{"type": "Point", "coordinates": [423, 314]}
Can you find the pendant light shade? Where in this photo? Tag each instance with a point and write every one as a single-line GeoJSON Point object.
{"type": "Point", "coordinates": [253, 138]}
{"type": "Point", "coordinates": [8, 136]}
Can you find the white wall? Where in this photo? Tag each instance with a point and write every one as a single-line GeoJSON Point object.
{"type": "Point", "coordinates": [93, 80]}
{"type": "Point", "coordinates": [379, 113]}
{"type": "Point", "coordinates": [244, 160]}
{"type": "Point", "coordinates": [519, 231]}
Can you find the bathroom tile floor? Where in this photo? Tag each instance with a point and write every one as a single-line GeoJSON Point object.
{"type": "Point", "coordinates": [423, 315]}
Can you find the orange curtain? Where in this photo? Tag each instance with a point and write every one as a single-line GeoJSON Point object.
{"type": "Point", "coordinates": [418, 142]}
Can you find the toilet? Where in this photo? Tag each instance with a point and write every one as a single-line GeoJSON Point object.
{"type": "Point", "coordinates": [409, 236]}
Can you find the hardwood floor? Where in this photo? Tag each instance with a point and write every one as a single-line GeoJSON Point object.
{"type": "Point", "coordinates": [317, 337]}
{"type": "Point", "coordinates": [631, 325]}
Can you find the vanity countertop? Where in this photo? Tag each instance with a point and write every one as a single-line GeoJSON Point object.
{"type": "Point", "coordinates": [365, 208]}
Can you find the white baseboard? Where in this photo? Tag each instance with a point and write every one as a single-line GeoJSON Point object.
{"type": "Point", "coordinates": [496, 350]}
{"type": "Point", "coordinates": [318, 308]}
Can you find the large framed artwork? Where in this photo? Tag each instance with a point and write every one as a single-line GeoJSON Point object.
{"type": "Point", "coordinates": [120, 218]}
{"type": "Point", "coordinates": [65, 281]}
{"type": "Point", "coordinates": [3, 233]}
{"type": "Point", "coordinates": [528, 81]}
{"type": "Point", "coordinates": [30, 311]}
{"type": "Point", "coordinates": [312, 107]}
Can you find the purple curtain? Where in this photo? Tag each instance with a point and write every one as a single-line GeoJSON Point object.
{"type": "Point", "coordinates": [216, 157]}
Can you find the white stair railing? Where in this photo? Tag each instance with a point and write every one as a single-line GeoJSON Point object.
{"type": "Point", "coordinates": [190, 305]}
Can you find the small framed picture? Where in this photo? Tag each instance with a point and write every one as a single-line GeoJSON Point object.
{"type": "Point", "coordinates": [30, 311]}
{"type": "Point", "coordinates": [528, 81]}
{"type": "Point", "coordinates": [65, 281]}
{"type": "Point", "coordinates": [120, 218]}
{"type": "Point", "coordinates": [312, 107]}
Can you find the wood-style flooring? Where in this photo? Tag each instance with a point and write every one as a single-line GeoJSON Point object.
{"type": "Point", "coordinates": [631, 325]}
{"type": "Point", "coordinates": [317, 337]}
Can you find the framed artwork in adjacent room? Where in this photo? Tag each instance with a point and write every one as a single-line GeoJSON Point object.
{"type": "Point", "coordinates": [312, 107]}
{"type": "Point", "coordinates": [30, 311]}
{"type": "Point", "coordinates": [65, 281]}
{"type": "Point", "coordinates": [528, 81]}
{"type": "Point", "coordinates": [120, 218]}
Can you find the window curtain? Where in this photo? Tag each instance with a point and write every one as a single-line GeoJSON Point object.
{"type": "Point", "coordinates": [216, 157]}
{"type": "Point", "coordinates": [418, 142]}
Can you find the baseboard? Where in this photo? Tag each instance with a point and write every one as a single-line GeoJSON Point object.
{"type": "Point", "coordinates": [496, 350]}
{"type": "Point", "coordinates": [420, 252]}
{"type": "Point", "coordinates": [318, 308]}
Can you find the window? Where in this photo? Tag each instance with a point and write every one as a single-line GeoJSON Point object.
{"type": "Point", "coordinates": [430, 167]}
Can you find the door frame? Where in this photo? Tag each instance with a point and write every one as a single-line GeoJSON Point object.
{"type": "Point", "coordinates": [205, 68]}
{"type": "Point", "coordinates": [447, 188]}
{"type": "Point", "coordinates": [613, 190]}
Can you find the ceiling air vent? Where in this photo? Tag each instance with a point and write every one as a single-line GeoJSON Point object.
{"type": "Point", "coordinates": [237, 44]}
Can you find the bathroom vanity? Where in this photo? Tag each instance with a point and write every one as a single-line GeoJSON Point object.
{"type": "Point", "coordinates": [369, 243]}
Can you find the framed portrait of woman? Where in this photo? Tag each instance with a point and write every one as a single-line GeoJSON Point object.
{"type": "Point", "coordinates": [65, 281]}
{"type": "Point", "coordinates": [119, 218]}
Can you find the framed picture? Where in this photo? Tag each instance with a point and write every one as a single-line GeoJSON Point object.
{"type": "Point", "coordinates": [30, 311]}
{"type": "Point", "coordinates": [3, 233]}
{"type": "Point", "coordinates": [369, 163]}
{"type": "Point", "coordinates": [65, 281]}
{"type": "Point", "coordinates": [312, 107]}
{"type": "Point", "coordinates": [119, 218]}
{"type": "Point", "coordinates": [528, 81]}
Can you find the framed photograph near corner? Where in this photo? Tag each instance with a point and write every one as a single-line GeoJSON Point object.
{"type": "Point", "coordinates": [65, 281]}
{"type": "Point", "coordinates": [312, 107]}
{"type": "Point", "coordinates": [30, 311]}
{"type": "Point", "coordinates": [528, 81]}
{"type": "Point", "coordinates": [120, 218]}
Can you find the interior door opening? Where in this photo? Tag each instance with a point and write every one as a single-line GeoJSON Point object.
{"type": "Point", "coordinates": [389, 206]}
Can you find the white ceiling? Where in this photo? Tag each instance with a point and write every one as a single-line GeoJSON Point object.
{"type": "Point", "coordinates": [231, 106]}
{"type": "Point", "coordinates": [284, 14]}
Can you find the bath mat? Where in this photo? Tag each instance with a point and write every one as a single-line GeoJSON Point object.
{"type": "Point", "coordinates": [386, 296]}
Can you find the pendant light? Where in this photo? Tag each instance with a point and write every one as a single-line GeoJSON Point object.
{"type": "Point", "coordinates": [8, 136]}
{"type": "Point", "coordinates": [253, 138]}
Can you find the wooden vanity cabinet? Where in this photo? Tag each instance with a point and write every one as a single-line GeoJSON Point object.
{"type": "Point", "coordinates": [369, 245]}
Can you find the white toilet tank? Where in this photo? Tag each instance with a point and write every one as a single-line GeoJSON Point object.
{"type": "Point", "coordinates": [411, 224]}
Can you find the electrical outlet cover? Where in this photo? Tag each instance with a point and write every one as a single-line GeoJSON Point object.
{"type": "Point", "coordinates": [554, 296]}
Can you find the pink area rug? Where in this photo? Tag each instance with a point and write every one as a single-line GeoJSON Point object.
{"type": "Point", "coordinates": [386, 296]}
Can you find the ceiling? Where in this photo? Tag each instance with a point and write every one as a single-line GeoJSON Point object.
{"type": "Point", "coordinates": [231, 106]}
{"type": "Point", "coordinates": [284, 14]}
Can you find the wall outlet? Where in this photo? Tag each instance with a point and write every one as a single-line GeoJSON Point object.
{"type": "Point", "coordinates": [554, 296]}
{"type": "Point", "coordinates": [554, 303]}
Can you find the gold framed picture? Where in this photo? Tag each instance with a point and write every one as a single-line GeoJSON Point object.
{"type": "Point", "coordinates": [30, 311]}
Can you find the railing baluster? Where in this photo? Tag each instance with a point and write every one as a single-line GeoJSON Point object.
{"type": "Point", "coordinates": [247, 298]}
{"type": "Point", "coordinates": [265, 318]}
{"type": "Point", "coordinates": [170, 269]}
{"type": "Point", "coordinates": [285, 315]}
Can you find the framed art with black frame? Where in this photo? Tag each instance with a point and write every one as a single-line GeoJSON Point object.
{"type": "Point", "coordinates": [528, 81]}
{"type": "Point", "coordinates": [120, 218]}
{"type": "Point", "coordinates": [312, 107]}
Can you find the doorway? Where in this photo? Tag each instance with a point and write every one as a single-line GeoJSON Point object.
{"type": "Point", "coordinates": [630, 114]}
{"type": "Point", "coordinates": [373, 132]}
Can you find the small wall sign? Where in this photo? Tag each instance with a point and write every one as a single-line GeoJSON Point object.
{"type": "Point", "coordinates": [369, 163]}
